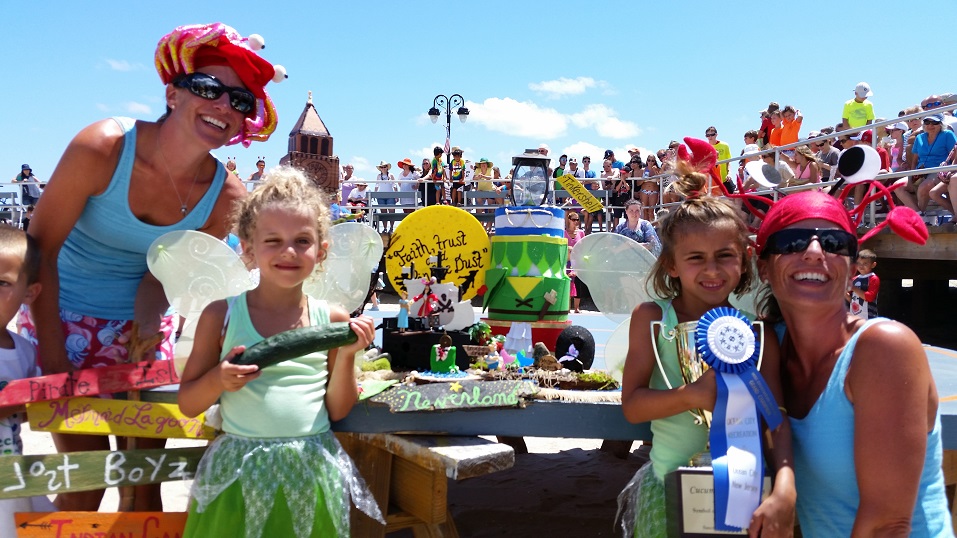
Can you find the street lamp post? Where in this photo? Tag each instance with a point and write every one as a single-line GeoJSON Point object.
{"type": "Point", "coordinates": [447, 104]}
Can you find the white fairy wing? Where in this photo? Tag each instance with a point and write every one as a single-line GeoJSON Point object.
{"type": "Point", "coordinates": [616, 350]}
{"type": "Point", "coordinates": [615, 269]}
{"type": "Point", "coordinates": [196, 269]}
{"type": "Point", "coordinates": [343, 277]}
{"type": "Point", "coordinates": [749, 301]}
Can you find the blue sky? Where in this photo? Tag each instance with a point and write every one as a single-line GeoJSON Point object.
{"type": "Point", "coordinates": [579, 76]}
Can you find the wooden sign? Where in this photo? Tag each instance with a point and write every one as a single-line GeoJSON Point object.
{"type": "Point", "coordinates": [100, 524]}
{"type": "Point", "coordinates": [578, 191]}
{"type": "Point", "coordinates": [689, 502]}
{"type": "Point", "coordinates": [25, 476]}
{"type": "Point", "coordinates": [117, 417]}
{"type": "Point", "coordinates": [456, 395]}
{"type": "Point", "coordinates": [89, 382]}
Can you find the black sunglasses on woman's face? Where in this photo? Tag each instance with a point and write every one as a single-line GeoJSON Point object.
{"type": "Point", "coordinates": [794, 240]}
{"type": "Point", "coordinates": [210, 88]}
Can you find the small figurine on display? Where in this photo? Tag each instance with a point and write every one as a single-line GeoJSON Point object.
{"type": "Point", "coordinates": [402, 320]}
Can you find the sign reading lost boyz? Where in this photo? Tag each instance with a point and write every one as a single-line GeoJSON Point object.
{"type": "Point", "coordinates": [456, 395]}
{"type": "Point", "coordinates": [117, 417]}
{"type": "Point", "coordinates": [578, 191]}
{"type": "Point", "coordinates": [25, 476]}
{"type": "Point", "coordinates": [89, 382]}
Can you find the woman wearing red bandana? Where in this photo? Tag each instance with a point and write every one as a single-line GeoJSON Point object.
{"type": "Point", "coordinates": [120, 184]}
{"type": "Point", "coordinates": [849, 383]}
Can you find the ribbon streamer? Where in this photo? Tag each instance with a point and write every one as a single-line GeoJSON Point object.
{"type": "Point", "coordinates": [726, 341]}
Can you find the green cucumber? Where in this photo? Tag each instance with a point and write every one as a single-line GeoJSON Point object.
{"type": "Point", "coordinates": [296, 343]}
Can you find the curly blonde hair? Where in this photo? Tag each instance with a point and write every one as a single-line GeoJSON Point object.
{"type": "Point", "coordinates": [287, 188]}
{"type": "Point", "coordinates": [698, 209]}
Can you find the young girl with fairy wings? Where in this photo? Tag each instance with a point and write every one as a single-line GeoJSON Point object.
{"type": "Point", "coordinates": [278, 470]}
{"type": "Point", "coordinates": [705, 258]}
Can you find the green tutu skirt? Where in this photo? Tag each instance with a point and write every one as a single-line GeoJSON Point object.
{"type": "Point", "coordinates": [223, 517]}
{"type": "Point", "coordinates": [641, 505]}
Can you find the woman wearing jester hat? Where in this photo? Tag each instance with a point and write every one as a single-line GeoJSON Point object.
{"type": "Point", "coordinates": [120, 184]}
{"type": "Point", "coordinates": [862, 403]}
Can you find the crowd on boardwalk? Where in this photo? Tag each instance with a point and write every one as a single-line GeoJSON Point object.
{"type": "Point", "coordinates": [923, 141]}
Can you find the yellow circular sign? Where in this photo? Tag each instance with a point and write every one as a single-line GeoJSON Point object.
{"type": "Point", "coordinates": [442, 235]}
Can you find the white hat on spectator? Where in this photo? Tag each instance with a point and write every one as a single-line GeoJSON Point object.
{"type": "Point", "coordinates": [750, 149]}
{"type": "Point", "coordinates": [862, 90]}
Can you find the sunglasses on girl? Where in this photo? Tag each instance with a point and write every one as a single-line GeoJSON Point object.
{"type": "Point", "coordinates": [209, 87]}
{"type": "Point", "coordinates": [796, 240]}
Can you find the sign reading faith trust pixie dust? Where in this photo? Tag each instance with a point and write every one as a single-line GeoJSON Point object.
{"type": "Point", "coordinates": [460, 237]}
{"type": "Point", "coordinates": [26, 476]}
{"type": "Point", "coordinates": [580, 193]}
{"type": "Point", "coordinates": [117, 417]}
{"type": "Point", "coordinates": [100, 524]}
{"type": "Point", "coordinates": [456, 395]}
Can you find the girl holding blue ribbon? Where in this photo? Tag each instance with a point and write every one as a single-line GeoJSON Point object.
{"type": "Point", "coordinates": [705, 258]}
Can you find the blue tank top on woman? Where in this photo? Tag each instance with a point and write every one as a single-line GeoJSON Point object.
{"type": "Point", "coordinates": [103, 259]}
{"type": "Point", "coordinates": [824, 470]}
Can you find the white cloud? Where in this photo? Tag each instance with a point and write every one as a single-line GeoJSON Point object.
{"type": "Point", "coordinates": [137, 108]}
{"type": "Point", "coordinates": [123, 65]}
{"type": "Point", "coordinates": [361, 164]}
{"type": "Point", "coordinates": [581, 149]}
{"type": "Point", "coordinates": [564, 86]}
{"type": "Point", "coordinates": [517, 118]}
{"type": "Point", "coordinates": [102, 107]}
{"type": "Point", "coordinates": [605, 122]}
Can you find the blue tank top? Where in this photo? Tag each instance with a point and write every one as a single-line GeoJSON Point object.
{"type": "Point", "coordinates": [828, 496]}
{"type": "Point", "coordinates": [103, 259]}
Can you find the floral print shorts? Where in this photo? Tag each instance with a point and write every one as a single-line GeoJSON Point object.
{"type": "Point", "coordinates": [94, 342]}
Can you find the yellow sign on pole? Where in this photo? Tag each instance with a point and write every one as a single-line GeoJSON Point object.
{"type": "Point", "coordinates": [117, 417]}
{"type": "Point", "coordinates": [578, 191]}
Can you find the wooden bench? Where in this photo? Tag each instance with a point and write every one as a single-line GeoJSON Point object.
{"type": "Point", "coordinates": [376, 210]}
{"type": "Point", "coordinates": [475, 203]}
{"type": "Point", "coordinates": [10, 207]}
{"type": "Point", "coordinates": [408, 475]}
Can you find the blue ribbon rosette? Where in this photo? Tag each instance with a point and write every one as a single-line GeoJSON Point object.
{"type": "Point", "coordinates": [726, 341]}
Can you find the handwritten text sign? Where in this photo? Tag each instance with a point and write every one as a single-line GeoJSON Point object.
{"type": "Point", "coordinates": [117, 417]}
{"type": "Point", "coordinates": [455, 233]}
{"type": "Point", "coordinates": [456, 395]}
{"type": "Point", "coordinates": [25, 476]}
{"type": "Point", "coordinates": [89, 382]}
{"type": "Point", "coordinates": [100, 525]}
{"type": "Point", "coordinates": [580, 193]}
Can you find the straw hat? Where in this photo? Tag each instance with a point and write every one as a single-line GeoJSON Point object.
{"type": "Point", "coordinates": [383, 164]}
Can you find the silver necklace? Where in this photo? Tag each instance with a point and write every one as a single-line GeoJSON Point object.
{"type": "Point", "coordinates": [182, 203]}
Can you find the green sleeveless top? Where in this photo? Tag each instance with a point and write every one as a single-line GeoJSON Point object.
{"type": "Point", "coordinates": [676, 438]}
{"type": "Point", "coordinates": [287, 399]}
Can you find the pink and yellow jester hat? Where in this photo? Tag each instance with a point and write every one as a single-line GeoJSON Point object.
{"type": "Point", "coordinates": [188, 48]}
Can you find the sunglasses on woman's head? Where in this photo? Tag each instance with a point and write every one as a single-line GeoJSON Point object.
{"type": "Point", "coordinates": [209, 87]}
{"type": "Point", "coordinates": [794, 240]}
